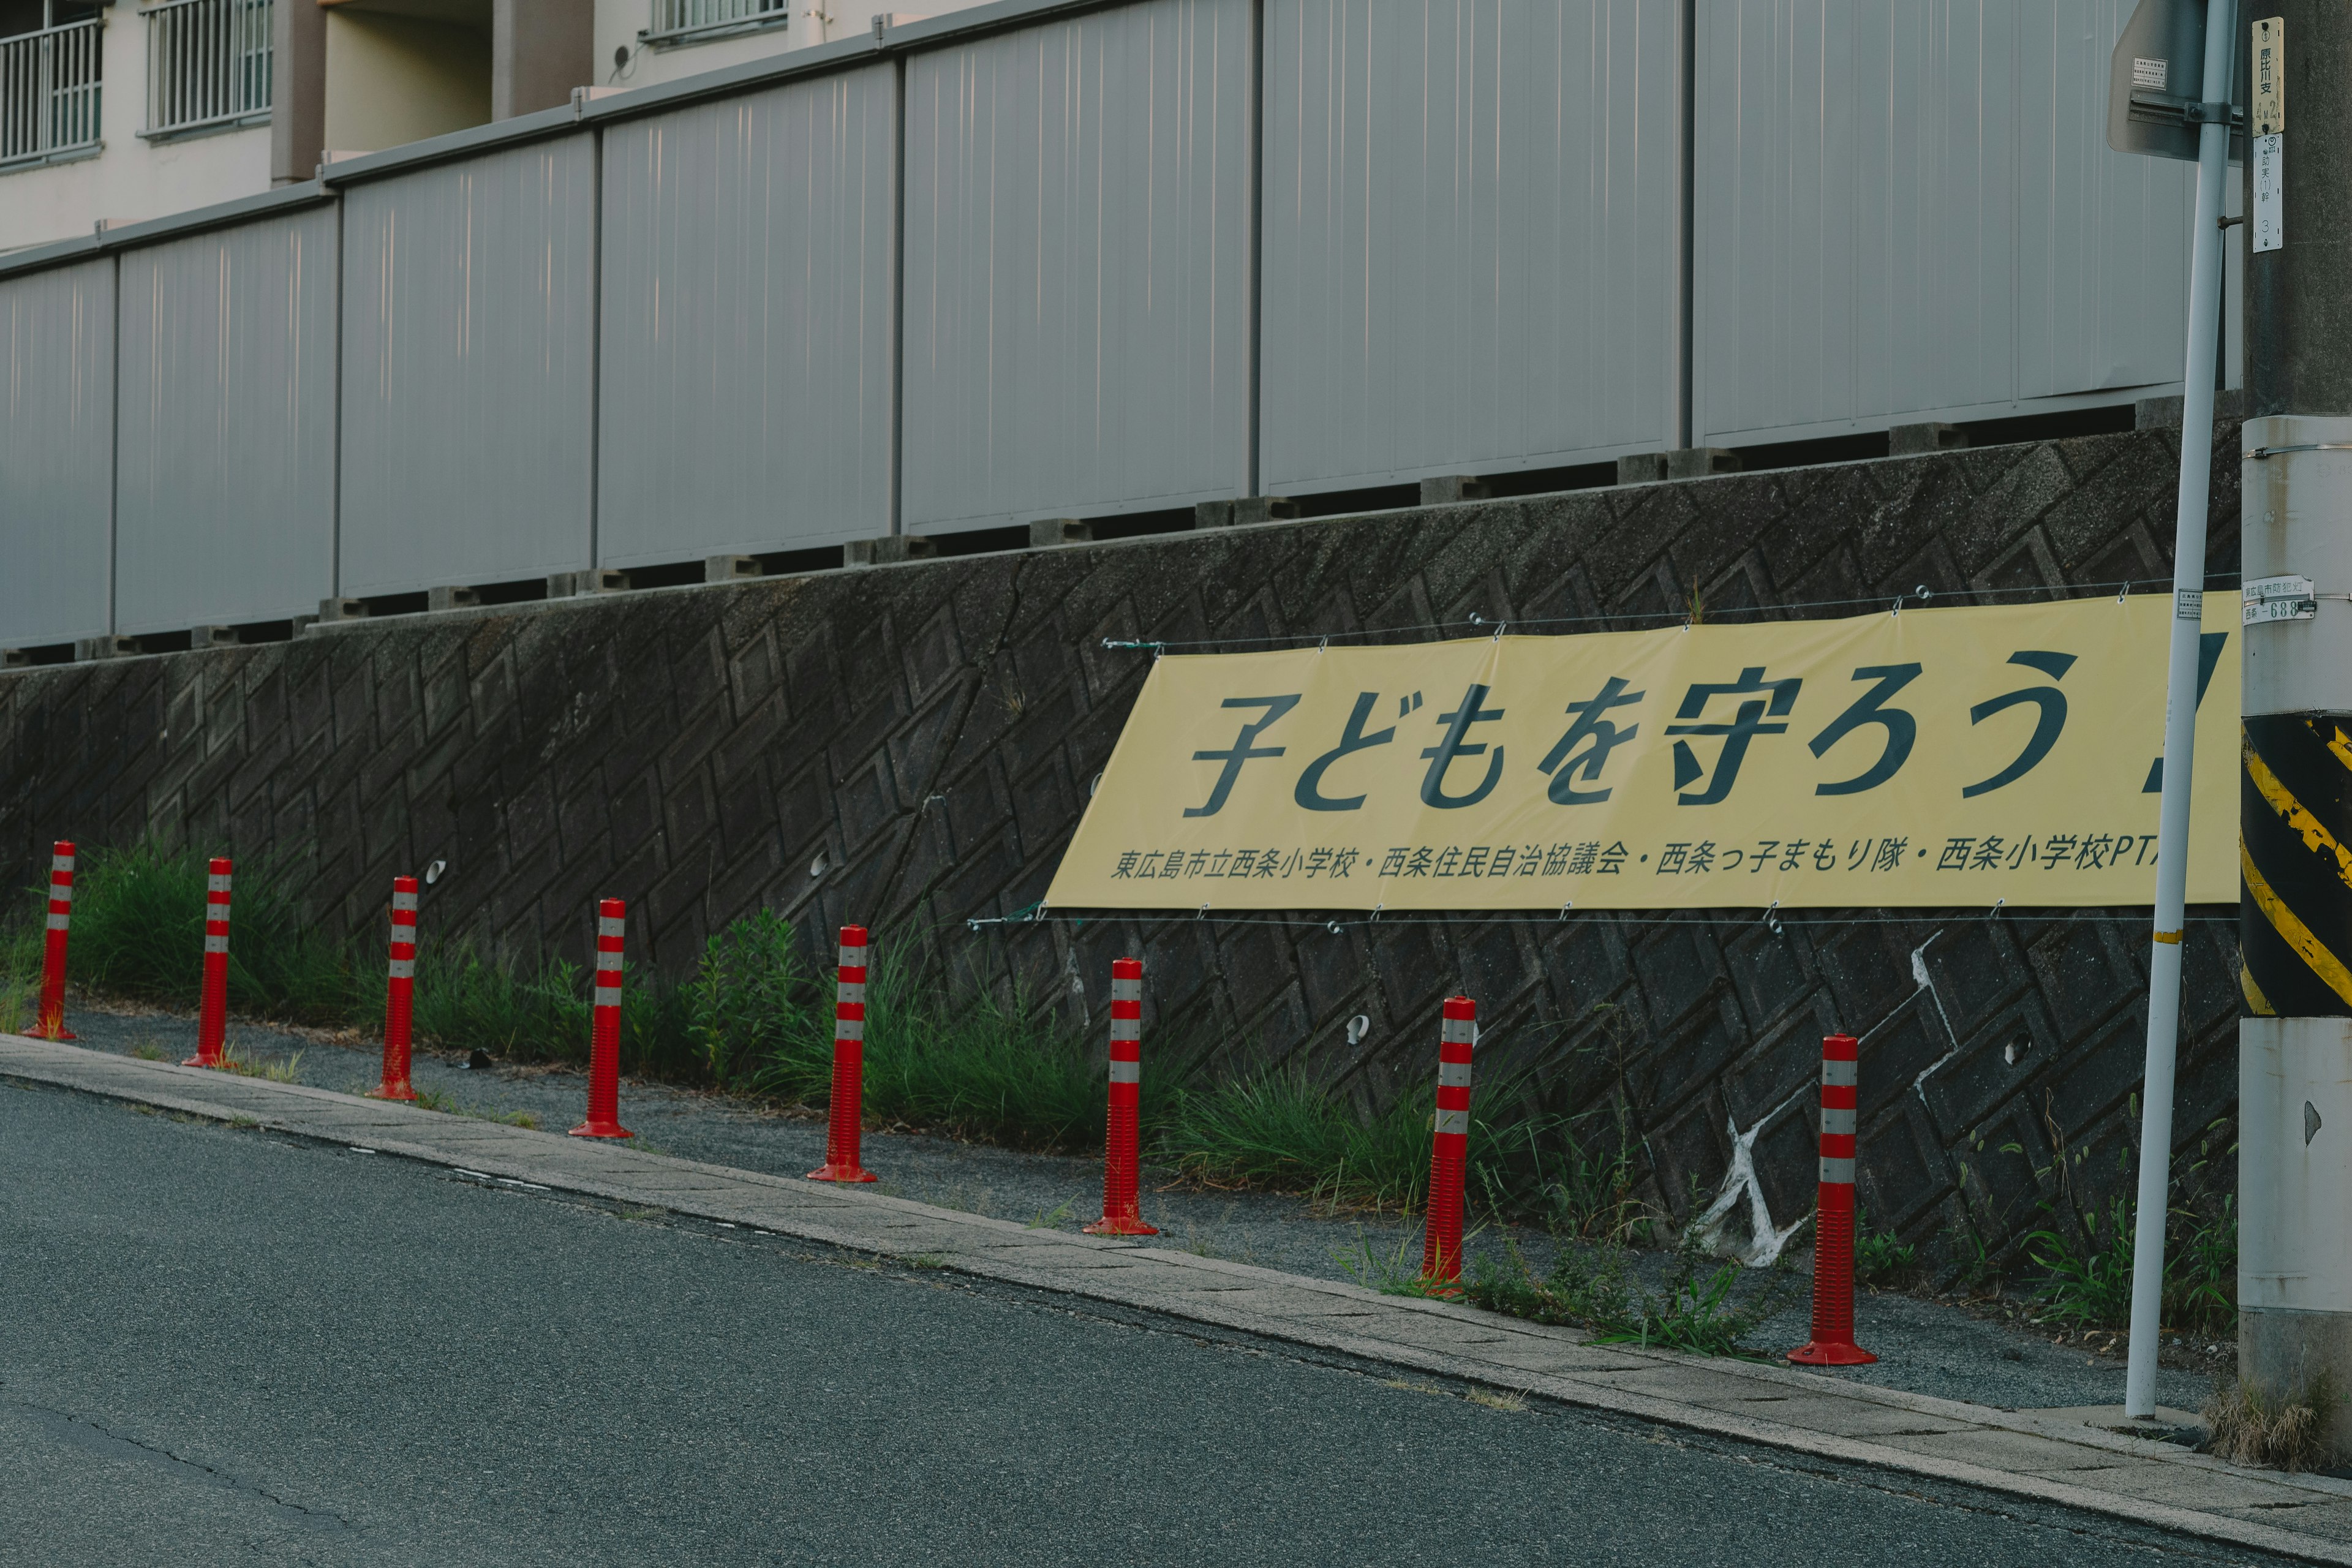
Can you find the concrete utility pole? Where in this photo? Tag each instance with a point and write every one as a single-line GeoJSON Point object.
{"type": "Point", "coordinates": [2295, 1033]}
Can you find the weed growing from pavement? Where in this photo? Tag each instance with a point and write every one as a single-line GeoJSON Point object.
{"type": "Point", "coordinates": [2248, 1426]}
{"type": "Point", "coordinates": [276, 1070]}
{"type": "Point", "coordinates": [1494, 1399]}
{"type": "Point", "coordinates": [1048, 1219]}
{"type": "Point", "coordinates": [1880, 1258]}
{"type": "Point", "coordinates": [1699, 1307]}
{"type": "Point", "coordinates": [1395, 1272]}
{"type": "Point", "coordinates": [449, 1104]}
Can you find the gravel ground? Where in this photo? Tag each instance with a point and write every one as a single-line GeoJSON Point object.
{"type": "Point", "coordinates": [1924, 1346]}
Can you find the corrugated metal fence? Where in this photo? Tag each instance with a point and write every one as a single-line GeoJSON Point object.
{"type": "Point", "coordinates": [1048, 260]}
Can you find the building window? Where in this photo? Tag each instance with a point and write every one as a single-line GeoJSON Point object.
{"type": "Point", "coordinates": [48, 79]}
{"type": "Point", "coordinates": [207, 65]}
{"type": "Point", "coordinates": [683, 21]}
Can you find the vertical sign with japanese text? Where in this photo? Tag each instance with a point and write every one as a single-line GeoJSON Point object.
{"type": "Point", "coordinates": [1933, 757]}
{"type": "Point", "coordinates": [2266, 121]}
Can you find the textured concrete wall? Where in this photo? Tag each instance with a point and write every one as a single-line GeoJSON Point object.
{"type": "Point", "coordinates": [911, 745]}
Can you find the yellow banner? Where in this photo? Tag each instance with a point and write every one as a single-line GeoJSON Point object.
{"type": "Point", "coordinates": [1962, 756]}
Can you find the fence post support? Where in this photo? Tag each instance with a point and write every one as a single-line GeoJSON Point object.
{"type": "Point", "coordinates": [1122, 1134]}
{"type": "Point", "coordinates": [1441, 1249]}
{"type": "Point", "coordinates": [51, 1024]}
{"type": "Point", "coordinates": [844, 1116]}
{"type": "Point", "coordinates": [605, 1037]}
{"type": "Point", "coordinates": [212, 1012]}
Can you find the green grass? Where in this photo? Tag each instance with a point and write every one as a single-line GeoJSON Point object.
{"type": "Point", "coordinates": [2088, 1283]}
{"type": "Point", "coordinates": [984, 1068]}
{"type": "Point", "coordinates": [1700, 1307]}
{"type": "Point", "coordinates": [139, 933]}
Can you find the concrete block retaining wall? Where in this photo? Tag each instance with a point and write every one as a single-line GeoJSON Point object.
{"type": "Point", "coordinates": [911, 745]}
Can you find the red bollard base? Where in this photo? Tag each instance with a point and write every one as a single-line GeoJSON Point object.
{"type": "Point", "coordinates": [1113, 1225]}
{"type": "Point", "coordinates": [842, 1173]}
{"type": "Point", "coordinates": [401, 1090]}
{"type": "Point", "coordinates": [199, 1061]}
{"type": "Point", "coordinates": [592, 1127]}
{"type": "Point", "coordinates": [60, 1033]}
{"type": "Point", "coordinates": [1817, 1353]}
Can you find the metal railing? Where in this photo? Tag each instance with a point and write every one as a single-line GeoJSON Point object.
{"type": "Point", "coordinates": [207, 63]}
{"type": "Point", "coordinates": [49, 91]}
{"type": "Point", "coordinates": [675, 18]}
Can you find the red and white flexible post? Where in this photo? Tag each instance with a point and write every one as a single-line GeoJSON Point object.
{"type": "Point", "coordinates": [844, 1116]}
{"type": "Point", "coordinates": [1123, 1156]}
{"type": "Point", "coordinates": [51, 1024]}
{"type": "Point", "coordinates": [1832, 1341]}
{"type": "Point", "coordinates": [212, 1011]}
{"type": "Point", "coordinates": [604, 1032]}
{"type": "Point", "coordinates": [1441, 1247]}
{"type": "Point", "coordinates": [400, 993]}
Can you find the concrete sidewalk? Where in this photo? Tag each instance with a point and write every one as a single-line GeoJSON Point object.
{"type": "Point", "coordinates": [2050, 1455]}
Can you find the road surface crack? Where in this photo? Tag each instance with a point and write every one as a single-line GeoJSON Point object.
{"type": "Point", "coordinates": [89, 1435]}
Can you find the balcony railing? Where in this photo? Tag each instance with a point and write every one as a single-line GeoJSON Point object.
{"type": "Point", "coordinates": [682, 19]}
{"type": "Point", "coordinates": [48, 92]}
{"type": "Point", "coordinates": [207, 64]}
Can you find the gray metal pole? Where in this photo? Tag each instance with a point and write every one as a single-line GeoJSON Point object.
{"type": "Point", "coordinates": [2294, 924]}
{"type": "Point", "coordinates": [2180, 722]}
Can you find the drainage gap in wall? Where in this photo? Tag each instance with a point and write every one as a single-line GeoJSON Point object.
{"type": "Point", "coordinates": [795, 563]}
{"type": "Point", "coordinates": [1376, 498]}
{"type": "Point", "coordinates": [1551, 481]}
{"type": "Point", "coordinates": [2113, 420]}
{"type": "Point", "coordinates": [523, 591]}
{"type": "Point", "coordinates": [394, 604]}
{"type": "Point", "coordinates": [980, 540]}
{"type": "Point", "coordinates": [1805, 454]}
{"type": "Point", "coordinates": [675, 575]}
{"type": "Point", "coordinates": [1135, 525]}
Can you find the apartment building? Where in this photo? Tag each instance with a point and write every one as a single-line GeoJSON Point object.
{"type": "Point", "coordinates": [114, 111]}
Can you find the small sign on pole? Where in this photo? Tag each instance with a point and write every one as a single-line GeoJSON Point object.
{"type": "Point", "coordinates": [2267, 120]}
{"type": "Point", "coordinates": [2276, 599]}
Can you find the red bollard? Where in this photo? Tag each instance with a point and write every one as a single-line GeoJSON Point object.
{"type": "Point", "coordinates": [844, 1117]}
{"type": "Point", "coordinates": [51, 1025]}
{"type": "Point", "coordinates": [212, 1012]}
{"type": "Point", "coordinates": [605, 1035]}
{"type": "Point", "coordinates": [1441, 1249]}
{"type": "Point", "coordinates": [1122, 1212]}
{"type": "Point", "coordinates": [400, 993]}
{"type": "Point", "coordinates": [1832, 1341]}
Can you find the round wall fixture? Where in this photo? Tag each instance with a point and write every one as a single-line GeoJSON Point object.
{"type": "Point", "coordinates": [433, 872]}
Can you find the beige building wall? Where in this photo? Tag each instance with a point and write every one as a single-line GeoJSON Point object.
{"type": "Point", "coordinates": [402, 76]}
{"type": "Point", "coordinates": [130, 178]}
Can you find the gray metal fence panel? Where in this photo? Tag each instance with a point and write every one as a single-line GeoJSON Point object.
{"type": "Point", "coordinates": [56, 440]}
{"type": "Point", "coordinates": [2103, 256]}
{"type": "Point", "coordinates": [468, 350]}
{"type": "Point", "coordinates": [224, 480]}
{"type": "Point", "coordinates": [1077, 267]}
{"type": "Point", "coordinates": [1908, 211]}
{"type": "Point", "coordinates": [746, 336]}
{"type": "Point", "coordinates": [1471, 219]}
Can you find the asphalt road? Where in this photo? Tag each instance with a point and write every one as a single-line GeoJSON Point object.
{"type": "Point", "coordinates": [222, 1346]}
